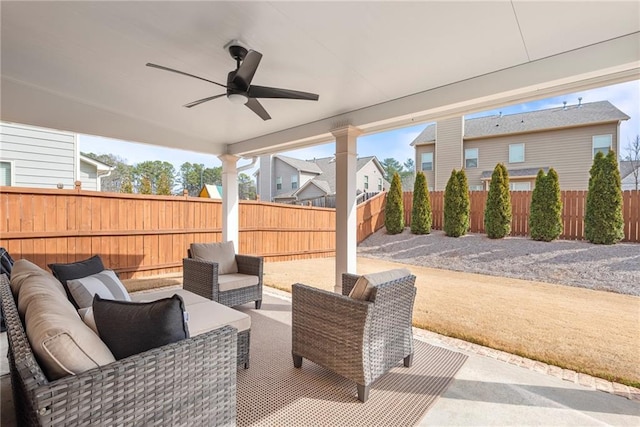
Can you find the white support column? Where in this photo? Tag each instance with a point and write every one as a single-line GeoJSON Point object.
{"type": "Point", "coordinates": [265, 178]}
{"type": "Point", "coordinates": [230, 222]}
{"type": "Point", "coordinates": [346, 208]}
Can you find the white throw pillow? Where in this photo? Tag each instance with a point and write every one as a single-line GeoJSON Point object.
{"type": "Point", "coordinates": [106, 284]}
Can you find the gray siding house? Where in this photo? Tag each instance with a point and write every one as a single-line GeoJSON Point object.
{"type": "Point", "coordinates": [295, 180]}
{"type": "Point", "coordinates": [45, 158]}
{"type": "Point", "coordinates": [565, 138]}
{"type": "Point", "coordinates": [630, 175]}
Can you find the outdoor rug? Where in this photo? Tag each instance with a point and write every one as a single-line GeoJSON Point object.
{"type": "Point", "coordinates": [274, 393]}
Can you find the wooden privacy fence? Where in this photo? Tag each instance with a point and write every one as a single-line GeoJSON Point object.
{"type": "Point", "coordinates": [146, 235]}
{"type": "Point", "coordinates": [572, 212]}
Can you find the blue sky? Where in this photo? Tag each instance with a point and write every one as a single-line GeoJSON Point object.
{"type": "Point", "coordinates": [395, 144]}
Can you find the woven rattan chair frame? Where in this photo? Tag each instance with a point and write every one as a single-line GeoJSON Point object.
{"type": "Point", "coordinates": [201, 277]}
{"type": "Point", "coordinates": [359, 340]}
{"type": "Point", "coordinates": [191, 382]}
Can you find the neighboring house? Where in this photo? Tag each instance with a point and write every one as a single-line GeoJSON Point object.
{"type": "Point", "coordinates": [565, 138]}
{"type": "Point", "coordinates": [630, 179]}
{"type": "Point", "coordinates": [45, 158]}
{"type": "Point", "coordinates": [211, 191]}
{"type": "Point", "coordinates": [295, 180]}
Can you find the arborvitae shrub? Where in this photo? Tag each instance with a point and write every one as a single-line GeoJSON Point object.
{"type": "Point", "coordinates": [497, 211]}
{"type": "Point", "coordinates": [421, 217]}
{"type": "Point", "coordinates": [145, 186]}
{"type": "Point", "coordinates": [456, 205]}
{"type": "Point", "coordinates": [394, 208]}
{"type": "Point", "coordinates": [163, 185]}
{"type": "Point", "coordinates": [603, 222]}
{"type": "Point", "coordinates": [545, 213]}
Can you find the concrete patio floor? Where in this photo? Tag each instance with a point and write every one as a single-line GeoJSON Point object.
{"type": "Point", "coordinates": [488, 390]}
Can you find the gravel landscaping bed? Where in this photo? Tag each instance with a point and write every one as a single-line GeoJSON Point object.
{"type": "Point", "coordinates": [614, 268]}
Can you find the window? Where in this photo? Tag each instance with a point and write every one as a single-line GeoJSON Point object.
{"type": "Point", "coordinates": [6, 173]}
{"type": "Point", "coordinates": [601, 143]}
{"type": "Point", "coordinates": [278, 183]}
{"type": "Point", "coordinates": [294, 182]}
{"type": "Point", "coordinates": [379, 184]}
{"type": "Point", "coordinates": [471, 158]}
{"type": "Point", "coordinates": [516, 153]}
{"type": "Point", "coordinates": [478, 187]}
{"type": "Point", "coordinates": [427, 161]}
{"type": "Point", "coordinates": [366, 182]}
{"type": "Point", "coordinates": [520, 186]}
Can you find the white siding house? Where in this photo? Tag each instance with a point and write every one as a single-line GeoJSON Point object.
{"type": "Point", "coordinates": [45, 158]}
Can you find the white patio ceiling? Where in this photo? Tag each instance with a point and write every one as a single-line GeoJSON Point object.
{"type": "Point", "coordinates": [80, 66]}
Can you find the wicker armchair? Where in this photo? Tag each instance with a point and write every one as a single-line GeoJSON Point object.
{"type": "Point", "coordinates": [190, 382]}
{"type": "Point", "coordinates": [201, 277]}
{"type": "Point", "coordinates": [360, 340]}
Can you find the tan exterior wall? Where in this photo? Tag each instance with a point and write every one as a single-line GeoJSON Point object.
{"type": "Point", "coordinates": [448, 149]}
{"type": "Point", "coordinates": [568, 151]}
{"type": "Point", "coordinates": [430, 175]}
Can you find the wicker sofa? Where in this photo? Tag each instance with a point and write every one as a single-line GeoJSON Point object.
{"type": "Point", "coordinates": [190, 382]}
{"type": "Point", "coordinates": [357, 339]}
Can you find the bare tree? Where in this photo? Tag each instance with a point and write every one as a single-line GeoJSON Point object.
{"type": "Point", "coordinates": [633, 156]}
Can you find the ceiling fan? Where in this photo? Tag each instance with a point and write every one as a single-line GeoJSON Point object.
{"type": "Point", "coordinates": [239, 87]}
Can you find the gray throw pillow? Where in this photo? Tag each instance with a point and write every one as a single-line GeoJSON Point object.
{"type": "Point", "coordinates": [129, 328]}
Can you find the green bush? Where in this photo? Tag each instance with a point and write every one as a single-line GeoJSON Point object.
{"type": "Point", "coordinates": [603, 222]}
{"type": "Point", "coordinates": [394, 208]}
{"type": "Point", "coordinates": [545, 213]}
{"type": "Point", "coordinates": [456, 205]}
{"type": "Point", "coordinates": [497, 211]}
{"type": "Point", "coordinates": [421, 217]}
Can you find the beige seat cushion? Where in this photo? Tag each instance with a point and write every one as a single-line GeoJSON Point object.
{"type": "Point", "coordinates": [230, 282]}
{"type": "Point", "coordinates": [189, 298]}
{"type": "Point", "coordinates": [210, 315]}
{"type": "Point", "coordinates": [223, 254]}
{"type": "Point", "coordinates": [365, 284]}
{"type": "Point", "coordinates": [33, 285]}
{"type": "Point", "coordinates": [21, 271]}
{"type": "Point", "coordinates": [59, 338]}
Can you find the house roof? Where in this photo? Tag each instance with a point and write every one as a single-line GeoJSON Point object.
{"type": "Point", "coordinates": [211, 191]}
{"type": "Point", "coordinates": [301, 165]}
{"type": "Point", "coordinates": [627, 167]}
{"type": "Point", "coordinates": [516, 173]}
{"type": "Point", "coordinates": [551, 118]}
{"type": "Point", "coordinates": [100, 166]}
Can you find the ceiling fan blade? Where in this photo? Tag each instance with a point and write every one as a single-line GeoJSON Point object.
{"type": "Point", "coordinates": [257, 108]}
{"type": "Point", "coordinates": [247, 69]}
{"type": "Point", "coordinates": [274, 92]}
{"type": "Point", "coordinates": [200, 101]}
{"type": "Point", "coordinates": [160, 67]}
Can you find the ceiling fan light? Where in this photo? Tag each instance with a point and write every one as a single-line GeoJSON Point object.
{"type": "Point", "coordinates": [238, 98]}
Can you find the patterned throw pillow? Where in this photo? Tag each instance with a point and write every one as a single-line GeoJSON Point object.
{"type": "Point", "coordinates": [106, 284]}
